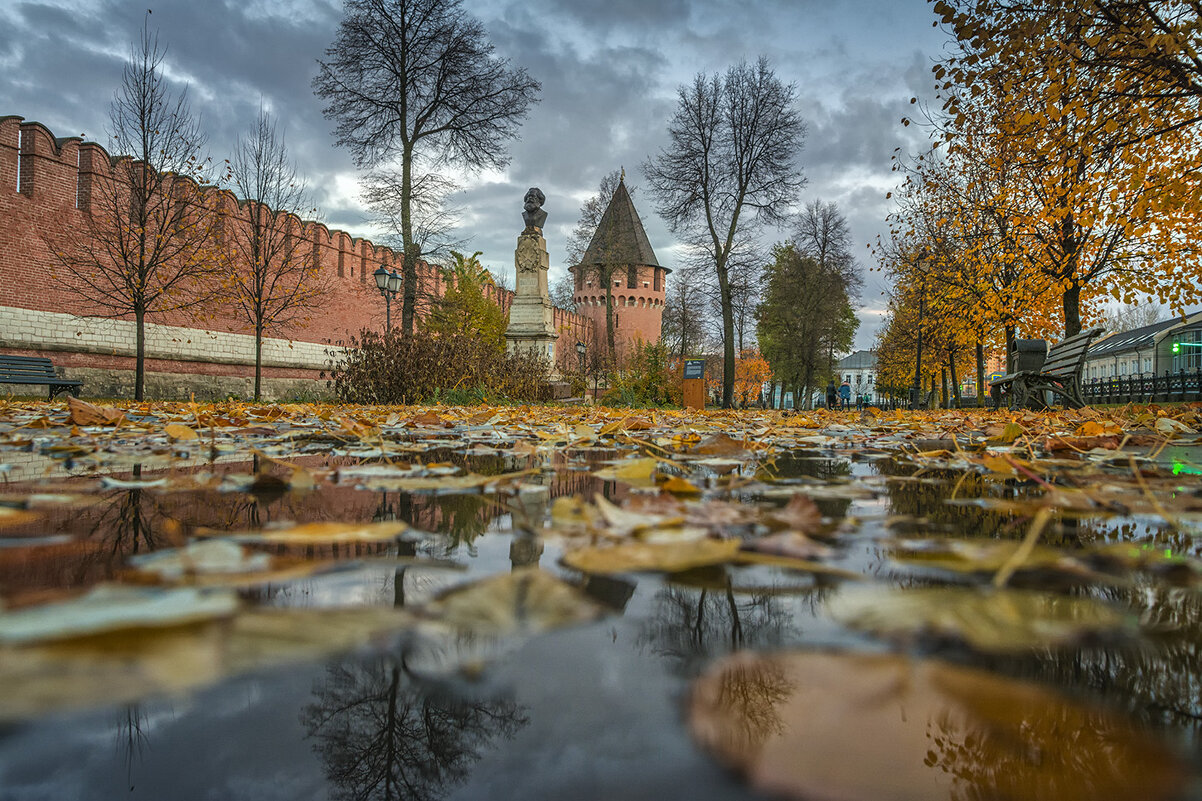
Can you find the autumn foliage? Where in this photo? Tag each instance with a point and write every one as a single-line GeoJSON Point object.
{"type": "Point", "coordinates": [1063, 172]}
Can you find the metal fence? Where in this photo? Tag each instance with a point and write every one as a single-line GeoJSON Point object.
{"type": "Point", "coordinates": [1144, 388]}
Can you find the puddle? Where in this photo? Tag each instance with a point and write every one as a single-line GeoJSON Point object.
{"type": "Point", "coordinates": [597, 706]}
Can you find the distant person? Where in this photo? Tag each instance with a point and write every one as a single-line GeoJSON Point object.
{"type": "Point", "coordinates": [845, 395]}
{"type": "Point", "coordinates": [859, 402]}
{"type": "Point", "coordinates": [831, 394]}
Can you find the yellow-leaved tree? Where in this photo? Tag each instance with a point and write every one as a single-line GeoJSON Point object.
{"type": "Point", "coordinates": [1103, 192]}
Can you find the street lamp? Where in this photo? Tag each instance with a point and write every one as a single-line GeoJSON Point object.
{"type": "Point", "coordinates": [389, 284]}
{"type": "Point", "coordinates": [580, 349]}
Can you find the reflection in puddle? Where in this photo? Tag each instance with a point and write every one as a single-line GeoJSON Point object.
{"type": "Point", "coordinates": [381, 735]}
{"type": "Point", "coordinates": [380, 732]}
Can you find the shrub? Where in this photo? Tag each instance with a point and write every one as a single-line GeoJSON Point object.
{"type": "Point", "coordinates": [392, 368]}
{"type": "Point", "coordinates": [647, 379]}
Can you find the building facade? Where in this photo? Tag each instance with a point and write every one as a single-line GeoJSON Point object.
{"type": "Point", "coordinates": [1147, 351]}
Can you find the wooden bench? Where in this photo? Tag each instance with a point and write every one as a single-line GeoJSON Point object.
{"type": "Point", "coordinates": [34, 370]}
{"type": "Point", "coordinates": [1060, 375]}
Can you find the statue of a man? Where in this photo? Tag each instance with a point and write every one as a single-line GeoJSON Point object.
{"type": "Point", "coordinates": [534, 216]}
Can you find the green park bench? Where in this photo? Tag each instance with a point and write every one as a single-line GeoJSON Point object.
{"type": "Point", "coordinates": [1060, 375]}
{"type": "Point", "coordinates": [34, 370]}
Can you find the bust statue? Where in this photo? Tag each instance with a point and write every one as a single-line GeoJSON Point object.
{"type": "Point", "coordinates": [534, 216]}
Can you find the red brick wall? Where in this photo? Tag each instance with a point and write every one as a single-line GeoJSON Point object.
{"type": "Point", "coordinates": [56, 178]}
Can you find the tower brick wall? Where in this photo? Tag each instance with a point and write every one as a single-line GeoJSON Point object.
{"type": "Point", "coordinates": [638, 304]}
{"type": "Point", "coordinates": [49, 184]}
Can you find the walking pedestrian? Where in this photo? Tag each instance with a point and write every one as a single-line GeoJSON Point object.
{"type": "Point", "coordinates": [845, 395]}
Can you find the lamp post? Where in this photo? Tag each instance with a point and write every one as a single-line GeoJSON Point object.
{"type": "Point", "coordinates": [389, 284]}
{"type": "Point", "coordinates": [580, 349]}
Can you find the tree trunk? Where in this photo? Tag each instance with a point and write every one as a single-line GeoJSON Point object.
{"type": "Point", "coordinates": [139, 354]}
{"type": "Point", "coordinates": [980, 375]}
{"type": "Point", "coordinates": [609, 319]}
{"type": "Point", "coordinates": [411, 248]}
{"type": "Point", "coordinates": [258, 361]}
{"type": "Point", "coordinates": [1072, 310]}
{"type": "Point", "coordinates": [944, 402]}
{"type": "Point", "coordinates": [955, 397]}
{"type": "Point", "coordinates": [728, 340]}
{"type": "Point", "coordinates": [1011, 356]}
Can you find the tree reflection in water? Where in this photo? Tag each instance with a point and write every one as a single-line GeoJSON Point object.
{"type": "Point", "coordinates": [691, 626]}
{"type": "Point", "coordinates": [130, 738]}
{"type": "Point", "coordinates": [382, 735]}
{"type": "Point", "coordinates": [1158, 679]}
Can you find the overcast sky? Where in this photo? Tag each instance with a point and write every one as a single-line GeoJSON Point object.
{"type": "Point", "coordinates": [609, 70]}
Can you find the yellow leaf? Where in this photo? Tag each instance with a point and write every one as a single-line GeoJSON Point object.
{"type": "Point", "coordinates": [177, 431]}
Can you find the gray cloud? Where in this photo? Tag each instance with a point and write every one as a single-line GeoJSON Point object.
{"type": "Point", "coordinates": [609, 73]}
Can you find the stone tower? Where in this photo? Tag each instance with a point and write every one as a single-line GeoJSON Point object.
{"type": "Point", "coordinates": [620, 250]}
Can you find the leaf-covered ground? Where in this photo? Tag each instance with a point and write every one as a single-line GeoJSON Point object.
{"type": "Point", "coordinates": [152, 549]}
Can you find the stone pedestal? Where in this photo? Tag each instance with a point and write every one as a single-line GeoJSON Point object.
{"type": "Point", "coordinates": [532, 317]}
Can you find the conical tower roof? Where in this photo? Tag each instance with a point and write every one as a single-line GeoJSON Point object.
{"type": "Point", "coordinates": [620, 238]}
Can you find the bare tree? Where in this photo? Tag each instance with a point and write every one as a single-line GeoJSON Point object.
{"type": "Point", "coordinates": [730, 167]}
{"type": "Point", "coordinates": [1128, 318]}
{"type": "Point", "coordinates": [563, 292]}
{"type": "Point", "coordinates": [416, 84]}
{"type": "Point", "coordinates": [822, 235]}
{"type": "Point", "coordinates": [149, 247]}
{"type": "Point", "coordinates": [274, 283]}
{"type": "Point", "coordinates": [684, 317]}
{"type": "Point", "coordinates": [432, 220]}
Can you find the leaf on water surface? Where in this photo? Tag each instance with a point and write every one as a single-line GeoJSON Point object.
{"type": "Point", "coordinates": [180, 432]}
{"type": "Point", "coordinates": [873, 727]}
{"type": "Point", "coordinates": [113, 607]}
{"type": "Point", "coordinates": [980, 556]}
{"type": "Point", "coordinates": [996, 621]}
{"type": "Point", "coordinates": [792, 544]}
{"type": "Point", "coordinates": [15, 517]}
{"type": "Point", "coordinates": [108, 482]}
{"type": "Point", "coordinates": [680, 486]}
{"type": "Point", "coordinates": [670, 557]}
{"type": "Point", "coordinates": [524, 601]}
{"type": "Point", "coordinates": [800, 514]}
{"type": "Point", "coordinates": [88, 414]}
{"type": "Point", "coordinates": [220, 562]}
{"type": "Point", "coordinates": [574, 512]}
{"type": "Point", "coordinates": [318, 533]}
{"type": "Point", "coordinates": [469, 625]}
{"type": "Point", "coordinates": [127, 665]}
{"type": "Point", "coordinates": [722, 445]}
{"type": "Point", "coordinates": [638, 472]}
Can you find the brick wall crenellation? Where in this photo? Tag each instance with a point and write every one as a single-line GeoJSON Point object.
{"type": "Point", "coordinates": [57, 178]}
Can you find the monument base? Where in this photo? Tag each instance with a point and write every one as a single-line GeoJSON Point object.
{"type": "Point", "coordinates": [531, 315]}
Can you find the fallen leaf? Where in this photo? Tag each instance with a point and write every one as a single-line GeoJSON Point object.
{"type": "Point", "coordinates": [316, 533]}
{"type": "Point", "coordinates": [996, 621]}
{"type": "Point", "coordinates": [663, 557]}
{"type": "Point", "coordinates": [88, 414]}
{"type": "Point", "coordinates": [178, 432]}
{"type": "Point", "coordinates": [112, 607]}
{"type": "Point", "coordinates": [800, 514]}
{"type": "Point", "coordinates": [872, 726]}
